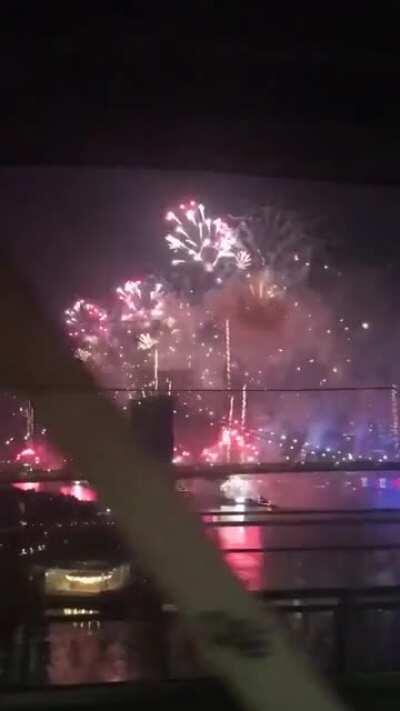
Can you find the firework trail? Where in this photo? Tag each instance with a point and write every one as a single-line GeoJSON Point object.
{"type": "Point", "coordinates": [155, 368]}
{"type": "Point", "coordinates": [395, 418]}
{"type": "Point", "coordinates": [244, 406]}
{"type": "Point", "coordinates": [146, 342]}
{"type": "Point", "coordinates": [233, 445]}
{"type": "Point", "coordinates": [228, 353]}
{"type": "Point", "coordinates": [231, 410]}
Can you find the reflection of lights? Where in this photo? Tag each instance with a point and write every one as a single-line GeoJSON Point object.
{"type": "Point", "coordinates": [248, 567]}
{"type": "Point", "coordinates": [79, 491]}
{"type": "Point", "coordinates": [60, 581]}
{"type": "Point", "coordinates": [27, 485]}
{"type": "Point", "coordinates": [77, 611]}
{"type": "Point", "coordinates": [238, 517]}
{"type": "Point", "coordinates": [89, 579]}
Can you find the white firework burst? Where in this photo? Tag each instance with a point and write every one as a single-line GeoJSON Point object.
{"type": "Point", "coordinates": [211, 243]}
{"type": "Point", "coordinates": [146, 342]}
{"type": "Point", "coordinates": [142, 301]}
{"type": "Point", "coordinates": [88, 326]}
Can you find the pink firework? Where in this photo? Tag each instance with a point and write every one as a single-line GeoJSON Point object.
{"type": "Point", "coordinates": [40, 456]}
{"type": "Point", "coordinates": [235, 445]}
{"type": "Point", "coordinates": [182, 455]}
{"type": "Point", "coordinates": [262, 327]}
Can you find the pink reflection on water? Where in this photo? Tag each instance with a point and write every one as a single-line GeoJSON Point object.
{"type": "Point", "coordinates": [82, 492]}
{"type": "Point", "coordinates": [248, 567]}
{"type": "Point", "coordinates": [27, 485]}
{"type": "Point", "coordinates": [78, 489]}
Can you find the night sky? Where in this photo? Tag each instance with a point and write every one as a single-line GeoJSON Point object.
{"type": "Point", "coordinates": [81, 231]}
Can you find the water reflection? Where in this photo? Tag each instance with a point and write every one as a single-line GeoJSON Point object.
{"type": "Point", "coordinates": [117, 651]}
{"type": "Point", "coordinates": [248, 567]}
{"type": "Point", "coordinates": [80, 490]}
{"type": "Point", "coordinates": [90, 652]}
{"type": "Point", "coordinates": [93, 651]}
{"type": "Point", "coordinates": [296, 556]}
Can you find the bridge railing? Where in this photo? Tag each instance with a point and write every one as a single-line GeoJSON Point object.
{"type": "Point", "coordinates": [345, 632]}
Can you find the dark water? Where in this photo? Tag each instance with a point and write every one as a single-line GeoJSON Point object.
{"type": "Point", "coordinates": [336, 564]}
{"type": "Point", "coordinates": [304, 552]}
{"type": "Point", "coordinates": [97, 650]}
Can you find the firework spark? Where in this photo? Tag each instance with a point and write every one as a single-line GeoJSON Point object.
{"type": "Point", "coordinates": [254, 322]}
{"type": "Point", "coordinates": [146, 342]}
{"type": "Point", "coordinates": [143, 301]}
{"type": "Point", "coordinates": [87, 325]}
{"type": "Point", "coordinates": [156, 382]}
{"type": "Point", "coordinates": [208, 242]}
{"type": "Point", "coordinates": [233, 444]}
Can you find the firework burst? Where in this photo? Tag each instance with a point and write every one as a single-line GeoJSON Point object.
{"type": "Point", "coordinates": [210, 243]}
{"type": "Point", "coordinates": [247, 320]}
{"type": "Point", "coordinates": [88, 327]}
{"type": "Point", "coordinates": [142, 302]}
